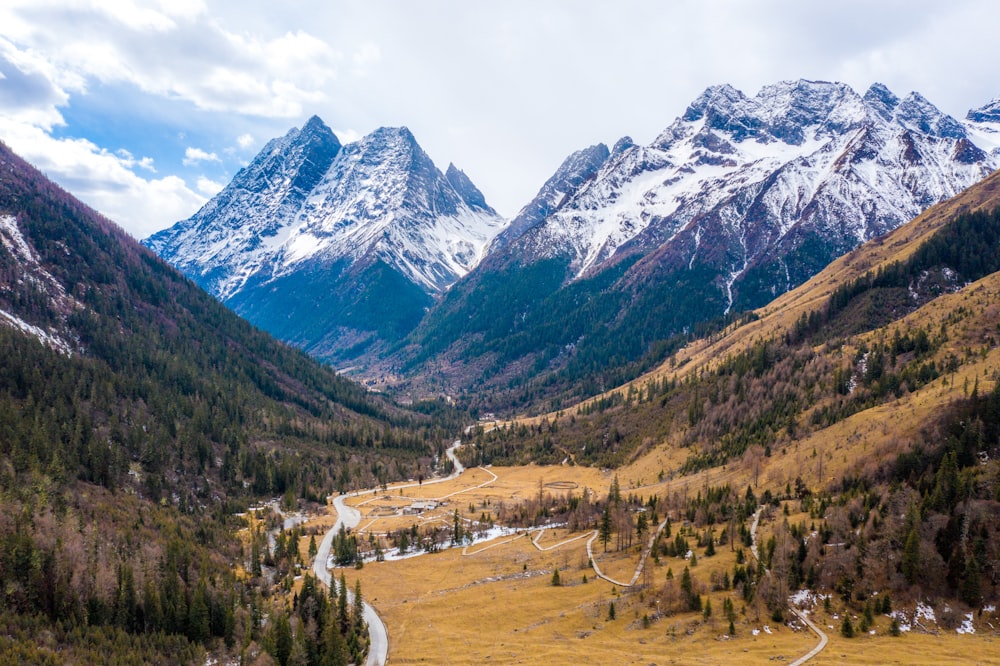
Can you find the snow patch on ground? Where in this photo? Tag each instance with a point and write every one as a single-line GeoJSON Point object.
{"type": "Point", "coordinates": [924, 612]}
{"type": "Point", "coordinates": [805, 599]}
{"type": "Point", "coordinates": [45, 337]}
{"type": "Point", "coordinates": [901, 620]}
{"type": "Point", "coordinates": [967, 626]}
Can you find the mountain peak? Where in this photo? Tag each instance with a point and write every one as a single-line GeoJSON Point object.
{"type": "Point", "coordinates": [466, 189]}
{"type": "Point", "coordinates": [723, 96]}
{"type": "Point", "coordinates": [988, 113]}
{"type": "Point", "coordinates": [622, 145]}
{"type": "Point", "coordinates": [314, 124]}
{"type": "Point", "coordinates": [917, 113]}
{"type": "Point", "coordinates": [880, 99]}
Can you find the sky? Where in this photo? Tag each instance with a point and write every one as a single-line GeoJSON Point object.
{"type": "Point", "coordinates": [145, 109]}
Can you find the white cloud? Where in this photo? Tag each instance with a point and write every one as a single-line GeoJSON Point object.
{"type": "Point", "coordinates": [105, 180]}
{"type": "Point", "coordinates": [347, 136]}
{"type": "Point", "coordinates": [194, 156]}
{"type": "Point", "coordinates": [244, 141]}
{"type": "Point", "coordinates": [208, 187]}
{"type": "Point", "coordinates": [178, 52]}
{"type": "Point", "coordinates": [129, 161]}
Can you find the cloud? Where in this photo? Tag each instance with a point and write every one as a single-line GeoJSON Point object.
{"type": "Point", "coordinates": [105, 180]}
{"type": "Point", "coordinates": [244, 141]}
{"type": "Point", "coordinates": [27, 89]}
{"type": "Point", "coordinates": [179, 52]}
{"type": "Point", "coordinates": [194, 156]}
{"type": "Point", "coordinates": [208, 187]}
{"type": "Point", "coordinates": [130, 162]}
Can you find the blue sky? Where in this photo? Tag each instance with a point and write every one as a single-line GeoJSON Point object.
{"type": "Point", "coordinates": [145, 108]}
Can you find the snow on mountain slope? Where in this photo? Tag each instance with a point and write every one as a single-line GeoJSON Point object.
{"type": "Point", "coordinates": [238, 232]}
{"type": "Point", "coordinates": [983, 126]}
{"type": "Point", "coordinates": [572, 174]}
{"type": "Point", "coordinates": [797, 154]}
{"type": "Point", "coordinates": [307, 201]}
{"type": "Point", "coordinates": [383, 198]}
{"type": "Point", "coordinates": [31, 276]}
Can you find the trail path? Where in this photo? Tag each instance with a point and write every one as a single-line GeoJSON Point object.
{"type": "Point", "coordinates": [823, 638]}
{"type": "Point", "coordinates": [642, 558]}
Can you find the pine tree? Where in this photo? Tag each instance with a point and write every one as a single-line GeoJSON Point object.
{"type": "Point", "coordinates": [971, 589]}
{"type": "Point", "coordinates": [611, 611]}
{"type": "Point", "coordinates": [282, 639]}
{"type": "Point", "coordinates": [555, 578]}
{"type": "Point", "coordinates": [343, 619]}
{"type": "Point", "coordinates": [846, 628]}
{"type": "Point", "coordinates": [334, 648]}
{"type": "Point", "coordinates": [358, 617]}
{"type": "Point", "coordinates": [605, 527]}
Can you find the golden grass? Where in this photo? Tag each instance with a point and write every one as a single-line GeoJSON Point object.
{"type": "Point", "coordinates": [499, 605]}
{"type": "Point", "coordinates": [495, 603]}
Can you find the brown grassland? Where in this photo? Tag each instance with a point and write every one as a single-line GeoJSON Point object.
{"type": "Point", "coordinates": [495, 602]}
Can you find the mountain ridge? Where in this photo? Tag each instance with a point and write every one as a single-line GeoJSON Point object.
{"type": "Point", "coordinates": [352, 255]}
{"type": "Point", "coordinates": [738, 200]}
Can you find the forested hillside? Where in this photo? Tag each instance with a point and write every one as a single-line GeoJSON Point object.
{"type": "Point", "coordinates": [137, 415]}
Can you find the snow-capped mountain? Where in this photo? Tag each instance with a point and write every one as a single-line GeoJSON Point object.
{"type": "Point", "coordinates": [237, 233]}
{"type": "Point", "coordinates": [983, 125]}
{"type": "Point", "coordinates": [799, 158]}
{"type": "Point", "coordinates": [306, 238]}
{"type": "Point", "coordinates": [737, 201]}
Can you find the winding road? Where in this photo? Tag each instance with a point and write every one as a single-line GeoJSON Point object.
{"type": "Point", "coordinates": [349, 517]}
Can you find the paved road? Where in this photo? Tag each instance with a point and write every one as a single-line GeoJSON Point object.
{"type": "Point", "coordinates": [349, 517]}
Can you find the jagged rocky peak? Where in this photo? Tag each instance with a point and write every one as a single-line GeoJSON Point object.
{"type": "Point", "coordinates": [881, 100]}
{"type": "Point", "coordinates": [255, 205]}
{"type": "Point", "coordinates": [916, 113]}
{"type": "Point", "coordinates": [466, 189]}
{"type": "Point", "coordinates": [989, 113]}
{"type": "Point", "coordinates": [622, 144]}
{"type": "Point", "coordinates": [781, 111]}
{"type": "Point", "coordinates": [715, 99]}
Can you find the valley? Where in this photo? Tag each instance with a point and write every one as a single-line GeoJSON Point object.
{"type": "Point", "coordinates": [436, 604]}
{"type": "Point", "coordinates": [734, 395]}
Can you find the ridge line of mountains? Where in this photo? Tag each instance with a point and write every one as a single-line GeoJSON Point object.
{"type": "Point", "coordinates": [367, 255]}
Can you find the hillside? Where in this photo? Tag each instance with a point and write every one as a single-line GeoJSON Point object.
{"type": "Point", "coordinates": [138, 416]}
{"type": "Point", "coordinates": [628, 253]}
{"type": "Point", "coordinates": [870, 389]}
